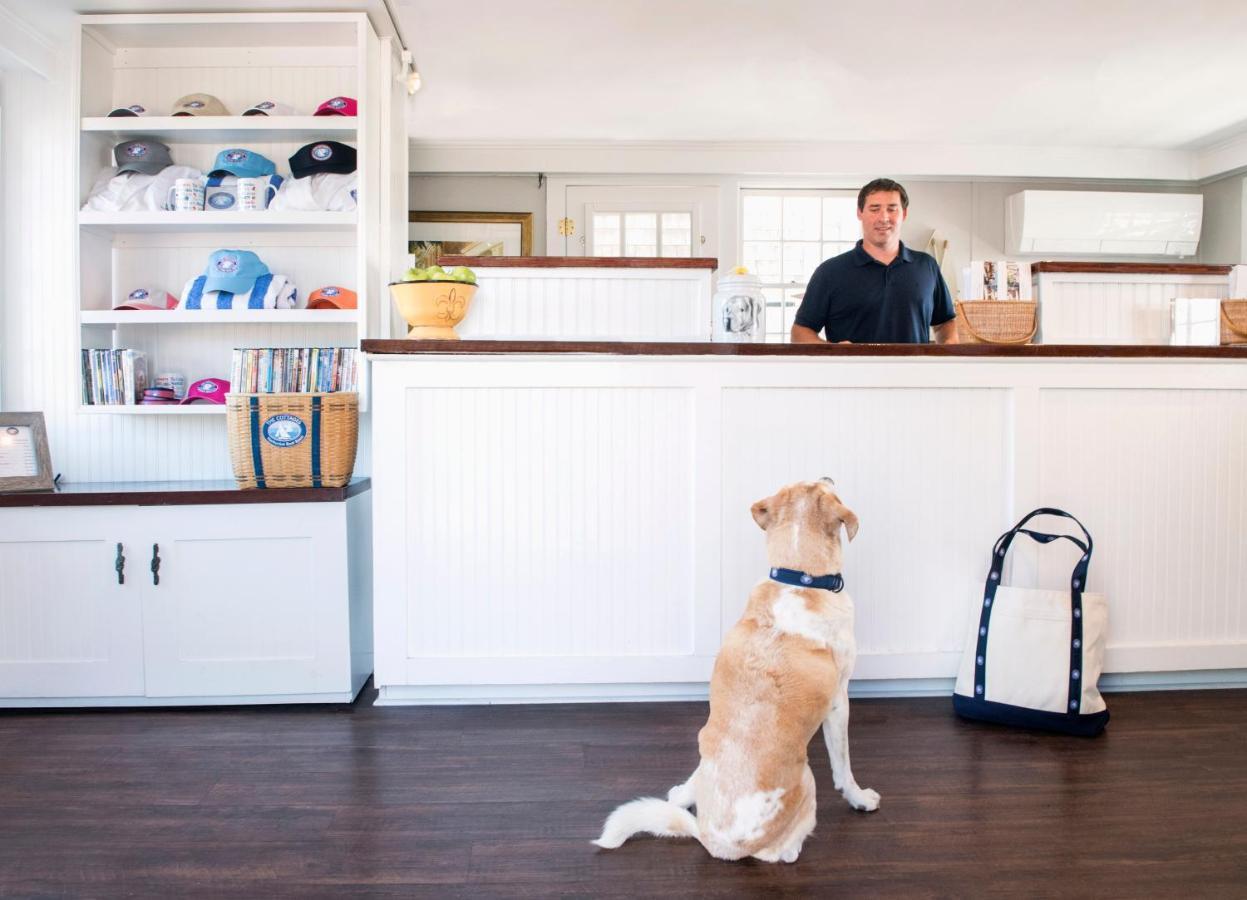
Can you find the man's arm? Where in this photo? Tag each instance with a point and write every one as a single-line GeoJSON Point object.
{"type": "Point", "coordinates": [802, 335]}
{"type": "Point", "coordinates": [945, 332]}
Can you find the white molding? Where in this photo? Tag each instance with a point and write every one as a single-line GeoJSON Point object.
{"type": "Point", "coordinates": [796, 158]}
{"type": "Point", "coordinates": [24, 48]}
{"type": "Point", "coordinates": [1222, 158]}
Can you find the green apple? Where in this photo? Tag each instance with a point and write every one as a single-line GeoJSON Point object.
{"type": "Point", "coordinates": [464, 274]}
{"type": "Point", "coordinates": [435, 273]}
{"type": "Point", "coordinates": [414, 274]}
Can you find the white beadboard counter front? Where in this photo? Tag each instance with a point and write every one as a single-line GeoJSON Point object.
{"type": "Point", "coordinates": [570, 521]}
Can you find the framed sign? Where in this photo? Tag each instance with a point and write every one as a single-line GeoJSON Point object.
{"type": "Point", "coordinates": [25, 464]}
{"type": "Point", "coordinates": [432, 234]}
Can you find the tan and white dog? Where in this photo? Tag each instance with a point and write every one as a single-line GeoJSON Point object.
{"type": "Point", "coordinates": [782, 672]}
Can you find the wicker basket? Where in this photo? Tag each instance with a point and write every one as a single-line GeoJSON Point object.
{"type": "Point", "coordinates": [1233, 322]}
{"type": "Point", "coordinates": [292, 440]}
{"type": "Point", "coordinates": [997, 321]}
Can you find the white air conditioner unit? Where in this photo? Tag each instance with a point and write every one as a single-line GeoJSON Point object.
{"type": "Point", "coordinates": [1103, 222]}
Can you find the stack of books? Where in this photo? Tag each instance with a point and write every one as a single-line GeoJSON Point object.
{"type": "Point", "coordinates": [300, 370]}
{"type": "Point", "coordinates": [113, 377]}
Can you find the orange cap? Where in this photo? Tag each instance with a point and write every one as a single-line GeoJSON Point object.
{"type": "Point", "coordinates": [332, 298]}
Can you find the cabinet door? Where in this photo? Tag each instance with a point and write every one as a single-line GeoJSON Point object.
{"type": "Point", "coordinates": [251, 600]}
{"type": "Point", "coordinates": [67, 628]}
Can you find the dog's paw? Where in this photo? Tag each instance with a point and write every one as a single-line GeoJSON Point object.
{"type": "Point", "coordinates": [863, 799]}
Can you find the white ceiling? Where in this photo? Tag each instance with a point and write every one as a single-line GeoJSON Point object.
{"type": "Point", "coordinates": [1154, 74]}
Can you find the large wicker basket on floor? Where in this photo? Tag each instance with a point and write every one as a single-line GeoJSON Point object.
{"type": "Point", "coordinates": [292, 440]}
{"type": "Point", "coordinates": [1233, 322]}
{"type": "Point", "coordinates": [997, 321]}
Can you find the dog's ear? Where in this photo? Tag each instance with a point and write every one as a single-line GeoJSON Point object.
{"type": "Point", "coordinates": [761, 512]}
{"type": "Point", "coordinates": [836, 514]}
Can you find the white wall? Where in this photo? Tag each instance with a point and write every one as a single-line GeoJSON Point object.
{"type": "Point", "coordinates": [1223, 238]}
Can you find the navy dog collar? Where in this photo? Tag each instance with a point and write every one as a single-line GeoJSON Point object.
{"type": "Point", "coordinates": [833, 582]}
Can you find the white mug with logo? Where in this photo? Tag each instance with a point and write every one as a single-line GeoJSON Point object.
{"type": "Point", "coordinates": [186, 194]}
{"type": "Point", "coordinates": [254, 193]}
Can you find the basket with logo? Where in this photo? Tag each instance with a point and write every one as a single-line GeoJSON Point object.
{"type": "Point", "coordinates": [292, 440]}
{"type": "Point", "coordinates": [997, 321]}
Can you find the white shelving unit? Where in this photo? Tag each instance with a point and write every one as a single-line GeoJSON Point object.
{"type": "Point", "coordinates": [301, 59]}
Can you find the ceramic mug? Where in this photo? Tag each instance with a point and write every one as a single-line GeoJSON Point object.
{"type": "Point", "coordinates": [254, 193]}
{"type": "Point", "coordinates": [186, 194]}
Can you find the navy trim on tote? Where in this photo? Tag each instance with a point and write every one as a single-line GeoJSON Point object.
{"type": "Point", "coordinates": [316, 480]}
{"type": "Point", "coordinates": [1081, 724]}
{"type": "Point", "coordinates": [257, 462]}
{"type": "Point", "coordinates": [833, 582]}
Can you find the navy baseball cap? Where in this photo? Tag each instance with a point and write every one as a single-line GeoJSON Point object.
{"type": "Point", "coordinates": [323, 156]}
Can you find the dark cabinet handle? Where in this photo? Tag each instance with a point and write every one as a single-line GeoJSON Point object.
{"type": "Point", "coordinates": [120, 566]}
{"type": "Point", "coordinates": [155, 564]}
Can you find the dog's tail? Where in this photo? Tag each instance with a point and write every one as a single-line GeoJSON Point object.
{"type": "Point", "coordinates": [649, 815]}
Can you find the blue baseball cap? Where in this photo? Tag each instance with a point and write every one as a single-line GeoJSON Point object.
{"type": "Point", "coordinates": [243, 163]}
{"type": "Point", "coordinates": [233, 270]}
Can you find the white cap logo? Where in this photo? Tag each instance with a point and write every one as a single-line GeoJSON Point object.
{"type": "Point", "coordinates": [267, 104]}
{"type": "Point", "coordinates": [139, 294]}
{"type": "Point", "coordinates": [322, 152]}
{"type": "Point", "coordinates": [337, 103]}
{"type": "Point", "coordinates": [136, 151]}
{"type": "Point", "coordinates": [236, 155]}
{"type": "Point", "coordinates": [330, 292]}
{"type": "Point", "coordinates": [136, 109]}
{"type": "Point", "coordinates": [227, 264]}
{"type": "Point", "coordinates": [195, 104]}
{"type": "Point", "coordinates": [209, 387]}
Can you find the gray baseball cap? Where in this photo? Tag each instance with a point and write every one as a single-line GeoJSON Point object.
{"type": "Point", "coordinates": [147, 157]}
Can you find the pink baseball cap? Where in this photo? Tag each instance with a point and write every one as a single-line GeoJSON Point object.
{"type": "Point", "coordinates": [209, 390]}
{"type": "Point", "coordinates": [337, 106]}
{"type": "Point", "coordinates": [148, 298]}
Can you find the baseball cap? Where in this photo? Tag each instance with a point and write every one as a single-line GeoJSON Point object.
{"type": "Point", "coordinates": [233, 270]}
{"type": "Point", "coordinates": [332, 298]}
{"type": "Point", "coordinates": [134, 110]}
{"type": "Point", "coordinates": [147, 157]}
{"type": "Point", "coordinates": [148, 298]}
{"type": "Point", "coordinates": [199, 105]}
{"type": "Point", "coordinates": [322, 156]}
{"type": "Point", "coordinates": [337, 106]}
{"type": "Point", "coordinates": [209, 390]}
{"type": "Point", "coordinates": [243, 163]}
{"type": "Point", "coordinates": [270, 108]}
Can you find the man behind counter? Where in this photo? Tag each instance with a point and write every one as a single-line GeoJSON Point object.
{"type": "Point", "coordinates": [880, 292]}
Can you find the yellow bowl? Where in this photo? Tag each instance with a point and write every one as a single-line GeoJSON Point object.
{"type": "Point", "coordinates": [432, 309]}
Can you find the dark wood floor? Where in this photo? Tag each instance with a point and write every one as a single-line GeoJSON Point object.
{"type": "Point", "coordinates": [502, 802]}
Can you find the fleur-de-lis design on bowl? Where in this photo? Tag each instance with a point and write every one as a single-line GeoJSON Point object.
{"type": "Point", "coordinates": [450, 306]}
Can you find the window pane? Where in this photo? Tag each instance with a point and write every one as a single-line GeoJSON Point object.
{"type": "Point", "coordinates": [640, 234]}
{"type": "Point", "coordinates": [836, 248]}
{"type": "Point", "coordinates": [605, 235]}
{"type": "Point", "coordinates": [762, 259]}
{"type": "Point", "coordinates": [677, 234]}
{"type": "Point", "coordinates": [801, 218]}
{"type": "Point", "coordinates": [800, 260]}
{"type": "Point", "coordinates": [840, 219]}
{"type": "Point", "coordinates": [760, 219]}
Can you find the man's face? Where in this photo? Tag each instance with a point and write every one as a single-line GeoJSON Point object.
{"type": "Point", "coordinates": [881, 218]}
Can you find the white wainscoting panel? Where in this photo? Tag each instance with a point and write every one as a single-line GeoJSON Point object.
{"type": "Point", "coordinates": [930, 499]}
{"type": "Point", "coordinates": [553, 522]}
{"type": "Point", "coordinates": [1158, 477]}
{"type": "Point", "coordinates": [561, 303]}
{"type": "Point", "coordinates": [1095, 308]}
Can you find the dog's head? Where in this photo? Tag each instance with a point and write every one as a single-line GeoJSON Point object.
{"type": "Point", "coordinates": [802, 524]}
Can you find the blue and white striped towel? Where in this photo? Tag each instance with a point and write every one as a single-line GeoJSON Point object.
{"type": "Point", "coordinates": [268, 292]}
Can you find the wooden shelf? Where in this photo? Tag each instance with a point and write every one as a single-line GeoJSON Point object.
{"type": "Point", "coordinates": [166, 220]}
{"type": "Point", "coordinates": [220, 317]}
{"type": "Point", "coordinates": [224, 129]}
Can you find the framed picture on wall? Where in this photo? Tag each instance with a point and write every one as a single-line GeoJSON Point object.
{"type": "Point", "coordinates": [433, 234]}
{"type": "Point", "coordinates": [25, 464]}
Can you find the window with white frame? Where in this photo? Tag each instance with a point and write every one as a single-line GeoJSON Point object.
{"type": "Point", "coordinates": [785, 234]}
{"type": "Point", "coordinates": [641, 233]}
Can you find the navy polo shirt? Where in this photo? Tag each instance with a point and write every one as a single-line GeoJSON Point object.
{"type": "Point", "coordinates": [854, 297]}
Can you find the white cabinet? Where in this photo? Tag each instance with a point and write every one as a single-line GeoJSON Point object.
{"type": "Point", "coordinates": [221, 603]}
{"type": "Point", "coordinates": [301, 59]}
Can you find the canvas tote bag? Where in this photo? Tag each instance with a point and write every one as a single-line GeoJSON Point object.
{"type": "Point", "coordinates": [1032, 657]}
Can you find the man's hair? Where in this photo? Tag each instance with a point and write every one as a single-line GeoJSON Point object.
{"type": "Point", "coordinates": [884, 185]}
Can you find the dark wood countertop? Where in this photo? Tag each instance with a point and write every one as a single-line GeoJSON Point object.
{"type": "Point", "coordinates": [175, 493]}
{"type": "Point", "coordinates": [1120, 268]}
{"type": "Point", "coordinates": [579, 262]}
{"type": "Point", "coordinates": [707, 348]}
